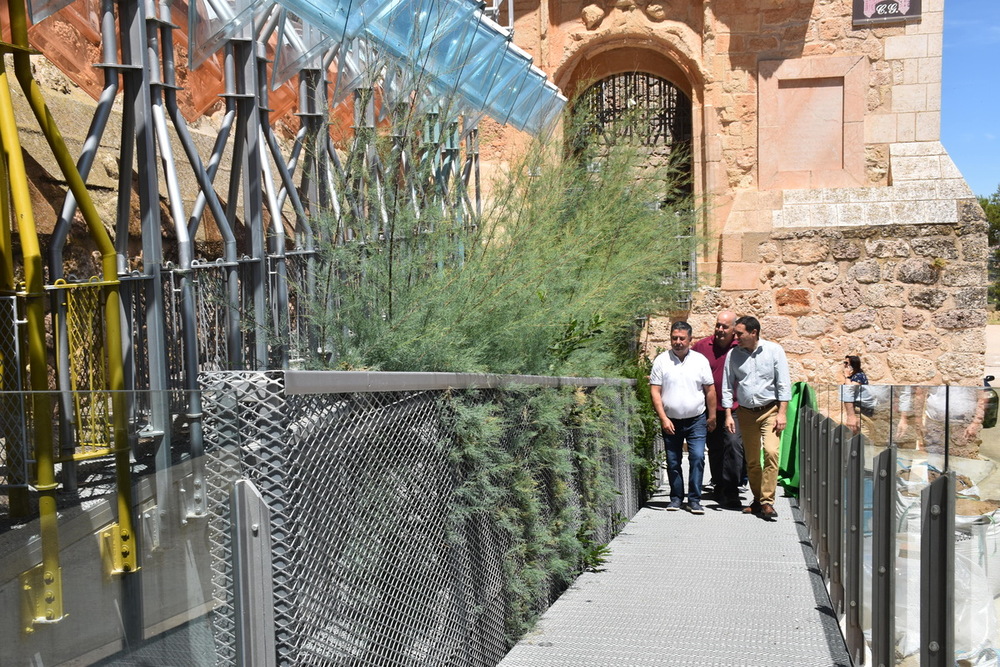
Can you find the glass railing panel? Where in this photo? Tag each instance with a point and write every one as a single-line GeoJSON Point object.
{"type": "Point", "coordinates": [100, 609]}
{"type": "Point", "coordinates": [972, 458]}
{"type": "Point", "coordinates": [914, 473]}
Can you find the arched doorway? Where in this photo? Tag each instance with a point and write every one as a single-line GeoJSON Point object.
{"type": "Point", "coordinates": [648, 111]}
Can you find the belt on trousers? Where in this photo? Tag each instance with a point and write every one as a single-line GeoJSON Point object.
{"type": "Point", "coordinates": [763, 408]}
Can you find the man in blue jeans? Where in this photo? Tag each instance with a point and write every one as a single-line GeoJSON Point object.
{"type": "Point", "coordinates": [683, 394]}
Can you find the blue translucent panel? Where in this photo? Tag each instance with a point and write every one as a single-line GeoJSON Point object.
{"type": "Point", "coordinates": [474, 61]}
{"type": "Point", "coordinates": [300, 46]}
{"type": "Point", "coordinates": [509, 83]}
{"type": "Point", "coordinates": [340, 19]}
{"type": "Point", "coordinates": [546, 114]}
{"type": "Point", "coordinates": [532, 93]}
{"type": "Point", "coordinates": [211, 23]}
{"type": "Point", "coordinates": [408, 28]}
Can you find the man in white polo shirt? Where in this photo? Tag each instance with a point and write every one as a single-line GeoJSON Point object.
{"type": "Point", "coordinates": [683, 394]}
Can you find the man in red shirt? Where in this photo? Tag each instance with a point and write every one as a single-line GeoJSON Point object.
{"type": "Point", "coordinates": [725, 449]}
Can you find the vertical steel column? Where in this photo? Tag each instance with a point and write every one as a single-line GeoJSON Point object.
{"type": "Point", "coordinates": [937, 572]}
{"type": "Point", "coordinates": [248, 138]}
{"type": "Point", "coordinates": [835, 509]}
{"type": "Point", "coordinates": [854, 557]}
{"type": "Point", "coordinates": [253, 594]}
{"type": "Point", "coordinates": [883, 644]}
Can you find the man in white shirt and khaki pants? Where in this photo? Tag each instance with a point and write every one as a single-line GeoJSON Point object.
{"type": "Point", "coordinates": [756, 373]}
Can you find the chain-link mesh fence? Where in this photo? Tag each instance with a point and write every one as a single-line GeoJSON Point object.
{"type": "Point", "coordinates": [13, 410]}
{"type": "Point", "coordinates": [417, 527]}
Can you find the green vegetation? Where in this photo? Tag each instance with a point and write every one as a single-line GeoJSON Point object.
{"type": "Point", "coordinates": [991, 207]}
{"type": "Point", "coordinates": [549, 281]}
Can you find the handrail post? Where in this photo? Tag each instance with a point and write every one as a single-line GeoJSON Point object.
{"type": "Point", "coordinates": [883, 644]}
{"type": "Point", "coordinates": [937, 572]}
{"type": "Point", "coordinates": [854, 556]}
{"type": "Point", "coordinates": [835, 516]}
{"type": "Point", "coordinates": [253, 591]}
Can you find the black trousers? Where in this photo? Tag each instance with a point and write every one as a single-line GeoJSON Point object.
{"type": "Point", "coordinates": [725, 458]}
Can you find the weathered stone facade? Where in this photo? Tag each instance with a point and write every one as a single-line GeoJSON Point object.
{"type": "Point", "coordinates": [833, 213]}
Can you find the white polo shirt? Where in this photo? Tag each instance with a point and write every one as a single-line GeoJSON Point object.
{"type": "Point", "coordinates": [682, 383]}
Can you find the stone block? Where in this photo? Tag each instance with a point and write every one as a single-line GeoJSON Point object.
{"type": "Point", "coordinates": [914, 271]}
{"type": "Point", "coordinates": [922, 341]}
{"type": "Point", "coordinates": [805, 251]}
{"type": "Point", "coordinates": [917, 148]}
{"type": "Point", "coordinates": [798, 346]}
{"type": "Point", "coordinates": [861, 319]}
{"type": "Point", "coordinates": [880, 343]}
{"type": "Point", "coordinates": [913, 319]}
{"type": "Point", "coordinates": [883, 296]}
{"type": "Point", "coordinates": [911, 368]}
{"type": "Point", "coordinates": [906, 126]}
{"type": "Point", "coordinates": [905, 46]}
{"type": "Point", "coordinates": [909, 98]}
{"type": "Point", "coordinates": [963, 275]}
{"type": "Point", "coordinates": [970, 298]}
{"type": "Point", "coordinates": [940, 210]}
{"type": "Point", "coordinates": [975, 248]}
{"type": "Point", "coordinates": [839, 298]}
{"type": "Point", "coordinates": [927, 126]}
{"type": "Point", "coordinates": [957, 366]}
{"type": "Point", "coordinates": [774, 327]}
{"type": "Point", "coordinates": [921, 168]}
{"type": "Point", "coordinates": [960, 318]}
{"type": "Point", "coordinates": [887, 318]}
{"type": "Point", "coordinates": [866, 272]}
{"type": "Point", "coordinates": [740, 275]}
{"type": "Point", "coordinates": [972, 341]}
{"type": "Point", "coordinates": [879, 213]}
{"type": "Point", "coordinates": [880, 129]}
{"type": "Point", "coordinates": [844, 250]}
{"type": "Point", "coordinates": [852, 215]}
{"type": "Point", "coordinates": [883, 248]}
{"type": "Point", "coordinates": [814, 326]}
{"type": "Point", "coordinates": [732, 247]}
{"type": "Point", "coordinates": [824, 272]}
{"type": "Point", "coordinates": [756, 303]}
{"type": "Point", "coordinates": [928, 299]}
{"type": "Point", "coordinates": [793, 301]}
{"type": "Point", "coordinates": [935, 247]}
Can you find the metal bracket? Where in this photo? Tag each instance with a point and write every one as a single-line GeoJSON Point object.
{"type": "Point", "coordinates": [41, 597]}
{"type": "Point", "coordinates": [118, 550]}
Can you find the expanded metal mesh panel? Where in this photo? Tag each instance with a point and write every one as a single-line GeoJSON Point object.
{"type": "Point", "coordinates": [385, 550]}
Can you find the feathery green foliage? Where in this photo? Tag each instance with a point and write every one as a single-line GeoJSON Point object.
{"type": "Point", "coordinates": [562, 261]}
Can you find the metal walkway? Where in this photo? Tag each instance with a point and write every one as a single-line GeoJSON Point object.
{"type": "Point", "coordinates": [682, 590]}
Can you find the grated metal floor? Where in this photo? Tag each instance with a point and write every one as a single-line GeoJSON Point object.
{"type": "Point", "coordinates": [683, 590]}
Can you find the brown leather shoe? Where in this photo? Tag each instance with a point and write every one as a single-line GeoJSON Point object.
{"type": "Point", "coordinates": [752, 508]}
{"type": "Point", "coordinates": [768, 513]}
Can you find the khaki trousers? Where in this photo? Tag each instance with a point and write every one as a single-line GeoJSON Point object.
{"type": "Point", "coordinates": [757, 429]}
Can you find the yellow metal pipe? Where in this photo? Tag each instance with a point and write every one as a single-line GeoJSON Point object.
{"type": "Point", "coordinates": [112, 308]}
{"type": "Point", "coordinates": [10, 367]}
{"type": "Point", "coordinates": [45, 480]}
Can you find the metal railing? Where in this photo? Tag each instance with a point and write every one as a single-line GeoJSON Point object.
{"type": "Point", "coordinates": [333, 519]}
{"type": "Point", "coordinates": [897, 497]}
